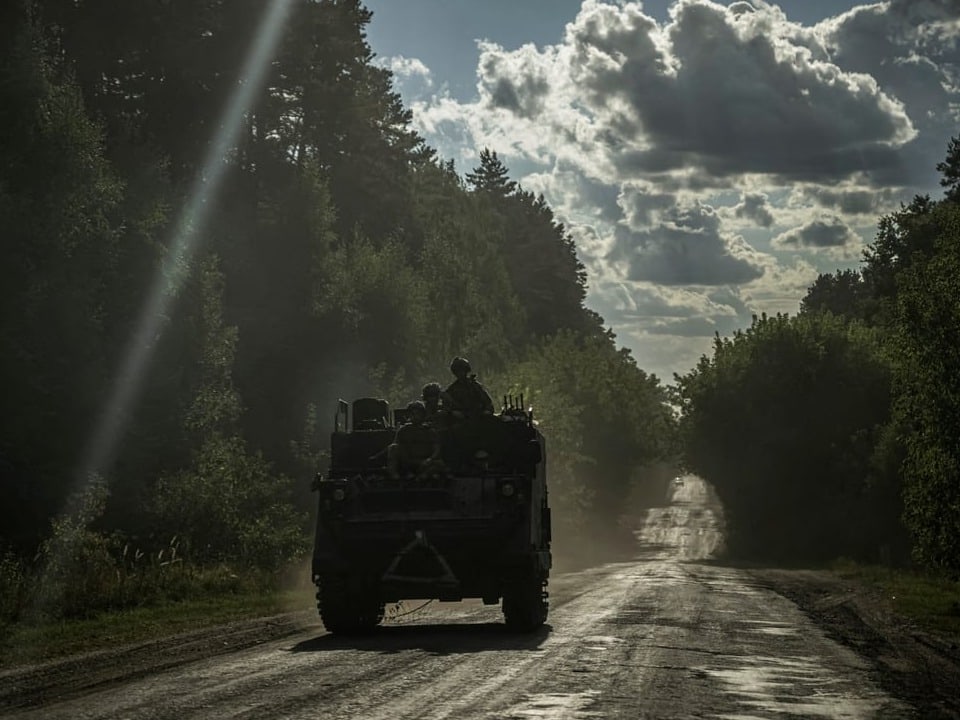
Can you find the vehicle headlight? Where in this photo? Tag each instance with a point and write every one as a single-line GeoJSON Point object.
{"type": "Point", "coordinates": [507, 489]}
{"type": "Point", "coordinates": [339, 494]}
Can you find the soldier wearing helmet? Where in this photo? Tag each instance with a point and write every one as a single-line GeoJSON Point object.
{"type": "Point", "coordinates": [467, 396]}
{"type": "Point", "coordinates": [416, 447]}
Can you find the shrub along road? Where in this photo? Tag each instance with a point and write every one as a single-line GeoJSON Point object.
{"type": "Point", "coordinates": [670, 634]}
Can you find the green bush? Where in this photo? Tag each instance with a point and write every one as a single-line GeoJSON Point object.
{"type": "Point", "coordinates": [785, 420]}
{"type": "Point", "coordinates": [231, 506]}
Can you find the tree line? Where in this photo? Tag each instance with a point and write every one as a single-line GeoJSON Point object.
{"type": "Point", "coordinates": [837, 431]}
{"type": "Point", "coordinates": [341, 257]}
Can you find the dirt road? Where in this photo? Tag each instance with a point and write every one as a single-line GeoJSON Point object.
{"type": "Point", "coordinates": [664, 636]}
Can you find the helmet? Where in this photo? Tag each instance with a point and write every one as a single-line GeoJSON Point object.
{"type": "Point", "coordinates": [430, 390]}
{"type": "Point", "coordinates": [460, 364]}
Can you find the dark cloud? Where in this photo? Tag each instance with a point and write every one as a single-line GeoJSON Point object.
{"type": "Point", "coordinates": [754, 206]}
{"type": "Point", "coordinates": [730, 297]}
{"type": "Point", "coordinates": [728, 91]}
{"type": "Point", "coordinates": [819, 234]}
{"type": "Point", "coordinates": [912, 49]}
{"type": "Point", "coordinates": [686, 247]}
{"type": "Point", "coordinates": [851, 202]}
{"type": "Point", "coordinates": [513, 81]}
{"type": "Point", "coordinates": [641, 206]}
{"type": "Point", "coordinates": [525, 100]}
{"type": "Point", "coordinates": [614, 46]}
{"type": "Point", "coordinates": [730, 100]}
{"type": "Point", "coordinates": [741, 90]}
{"type": "Point", "coordinates": [819, 164]}
{"type": "Point", "coordinates": [581, 194]}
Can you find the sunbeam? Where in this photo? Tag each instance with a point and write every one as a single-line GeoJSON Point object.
{"type": "Point", "coordinates": [102, 446]}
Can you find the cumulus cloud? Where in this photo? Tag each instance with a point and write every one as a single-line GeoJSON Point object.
{"type": "Point", "coordinates": [782, 286]}
{"type": "Point", "coordinates": [715, 93]}
{"type": "Point", "coordinates": [656, 308]}
{"type": "Point", "coordinates": [674, 150]}
{"type": "Point", "coordinates": [700, 326]}
{"type": "Point", "coordinates": [827, 232]}
{"type": "Point", "coordinates": [593, 246]}
{"type": "Point", "coordinates": [411, 76]}
{"type": "Point", "coordinates": [850, 200]}
{"type": "Point", "coordinates": [669, 327]}
{"type": "Point", "coordinates": [515, 81]}
{"type": "Point", "coordinates": [578, 194]}
{"type": "Point", "coordinates": [687, 247]}
{"type": "Point", "coordinates": [912, 49]}
{"type": "Point", "coordinates": [754, 206]}
{"type": "Point", "coordinates": [718, 92]}
{"type": "Point", "coordinates": [718, 89]}
{"type": "Point", "coordinates": [405, 67]}
{"type": "Point", "coordinates": [643, 204]}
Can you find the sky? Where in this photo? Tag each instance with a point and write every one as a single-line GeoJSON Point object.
{"type": "Point", "coordinates": [708, 158]}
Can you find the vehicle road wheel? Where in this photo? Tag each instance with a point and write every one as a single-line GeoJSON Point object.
{"type": "Point", "coordinates": [525, 604]}
{"type": "Point", "coordinates": [344, 611]}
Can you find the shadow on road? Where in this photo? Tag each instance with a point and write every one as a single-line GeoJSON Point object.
{"type": "Point", "coordinates": [441, 639]}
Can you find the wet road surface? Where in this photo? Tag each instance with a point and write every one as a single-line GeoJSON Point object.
{"type": "Point", "coordinates": [666, 636]}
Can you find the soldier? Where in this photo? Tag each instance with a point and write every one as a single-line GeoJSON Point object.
{"type": "Point", "coordinates": [432, 395]}
{"type": "Point", "coordinates": [416, 446]}
{"type": "Point", "coordinates": [467, 396]}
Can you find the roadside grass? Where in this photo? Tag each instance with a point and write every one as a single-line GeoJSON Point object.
{"type": "Point", "coordinates": [26, 643]}
{"type": "Point", "coordinates": [84, 590]}
{"type": "Point", "coordinates": [52, 611]}
{"type": "Point", "coordinates": [933, 603]}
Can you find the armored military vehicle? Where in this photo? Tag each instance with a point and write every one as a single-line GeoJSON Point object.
{"type": "Point", "coordinates": [473, 522]}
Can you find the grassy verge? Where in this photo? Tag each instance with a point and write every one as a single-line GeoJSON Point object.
{"type": "Point", "coordinates": [27, 643]}
{"type": "Point", "coordinates": [932, 603]}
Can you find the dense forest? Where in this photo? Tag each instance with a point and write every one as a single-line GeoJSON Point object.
{"type": "Point", "coordinates": [202, 252]}
{"type": "Point", "coordinates": [836, 432]}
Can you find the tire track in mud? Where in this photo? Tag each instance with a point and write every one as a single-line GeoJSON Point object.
{"type": "Point", "coordinates": [247, 683]}
{"type": "Point", "coordinates": [23, 687]}
{"type": "Point", "coordinates": [473, 687]}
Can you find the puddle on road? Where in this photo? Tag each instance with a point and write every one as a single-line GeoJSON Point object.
{"type": "Point", "coordinates": [769, 627]}
{"type": "Point", "coordinates": [779, 665]}
{"type": "Point", "coordinates": [797, 687]}
{"type": "Point", "coordinates": [600, 642]}
{"type": "Point", "coordinates": [559, 706]}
